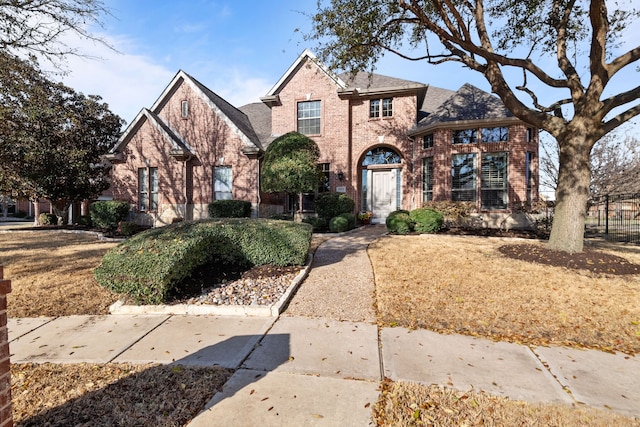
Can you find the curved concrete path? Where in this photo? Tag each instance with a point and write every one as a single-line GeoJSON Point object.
{"type": "Point", "coordinates": [294, 370]}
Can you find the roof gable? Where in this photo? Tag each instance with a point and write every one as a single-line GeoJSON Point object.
{"type": "Point", "coordinates": [305, 57]}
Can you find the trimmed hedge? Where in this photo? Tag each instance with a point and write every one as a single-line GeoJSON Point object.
{"type": "Point", "coordinates": [329, 205]}
{"type": "Point", "coordinates": [108, 214]}
{"type": "Point", "coordinates": [318, 224]}
{"type": "Point", "coordinates": [151, 265]}
{"type": "Point", "coordinates": [229, 209]}
{"type": "Point", "coordinates": [399, 222]}
{"type": "Point", "coordinates": [342, 222]}
{"type": "Point", "coordinates": [426, 220]}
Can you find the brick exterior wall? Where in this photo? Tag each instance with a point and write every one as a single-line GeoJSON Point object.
{"type": "Point", "coordinates": [185, 186]}
{"type": "Point", "coordinates": [6, 418]}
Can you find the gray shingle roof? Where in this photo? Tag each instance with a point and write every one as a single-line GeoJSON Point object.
{"type": "Point", "coordinates": [364, 80]}
{"type": "Point", "coordinates": [467, 103]}
{"type": "Point", "coordinates": [259, 116]}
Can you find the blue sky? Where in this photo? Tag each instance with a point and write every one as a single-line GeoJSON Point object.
{"type": "Point", "coordinates": [239, 49]}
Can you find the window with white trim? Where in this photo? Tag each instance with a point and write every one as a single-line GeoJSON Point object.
{"type": "Point", "coordinates": [184, 109]}
{"type": "Point", "coordinates": [222, 183]}
{"type": "Point", "coordinates": [427, 179]}
{"type": "Point", "coordinates": [309, 117]}
{"type": "Point", "coordinates": [465, 136]}
{"type": "Point", "coordinates": [380, 108]}
{"type": "Point", "coordinates": [493, 181]}
{"type": "Point", "coordinates": [427, 141]}
{"type": "Point", "coordinates": [148, 189]}
{"type": "Point", "coordinates": [463, 177]}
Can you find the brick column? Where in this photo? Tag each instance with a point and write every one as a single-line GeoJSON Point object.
{"type": "Point", "coordinates": [6, 418]}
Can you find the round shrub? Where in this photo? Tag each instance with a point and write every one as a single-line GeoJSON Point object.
{"type": "Point", "coordinates": [426, 220]}
{"type": "Point", "coordinates": [329, 205]}
{"type": "Point", "coordinates": [342, 222]}
{"type": "Point", "coordinates": [47, 219]}
{"type": "Point", "coordinates": [399, 222]}
{"type": "Point", "coordinates": [108, 214]}
{"type": "Point", "coordinates": [318, 224]}
{"type": "Point", "coordinates": [126, 228]}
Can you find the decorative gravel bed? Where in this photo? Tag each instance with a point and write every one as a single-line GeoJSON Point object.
{"type": "Point", "coordinates": [261, 285]}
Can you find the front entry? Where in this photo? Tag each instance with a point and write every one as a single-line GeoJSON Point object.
{"type": "Point", "coordinates": [383, 194]}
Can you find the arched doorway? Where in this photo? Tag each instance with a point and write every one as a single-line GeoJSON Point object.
{"type": "Point", "coordinates": [381, 182]}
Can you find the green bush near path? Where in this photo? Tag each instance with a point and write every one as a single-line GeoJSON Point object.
{"type": "Point", "coordinates": [426, 220]}
{"type": "Point", "coordinates": [151, 265]}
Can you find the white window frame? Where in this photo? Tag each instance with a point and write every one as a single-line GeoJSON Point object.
{"type": "Point", "coordinates": [309, 117]}
{"type": "Point", "coordinates": [222, 183]}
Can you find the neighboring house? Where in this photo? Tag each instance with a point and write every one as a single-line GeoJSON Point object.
{"type": "Point", "coordinates": [388, 143]}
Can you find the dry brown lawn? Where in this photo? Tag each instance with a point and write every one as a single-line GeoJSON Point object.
{"type": "Point", "coordinates": [465, 285]}
{"type": "Point", "coordinates": [51, 273]}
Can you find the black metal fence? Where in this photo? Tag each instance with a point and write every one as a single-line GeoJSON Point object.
{"type": "Point", "coordinates": [616, 217]}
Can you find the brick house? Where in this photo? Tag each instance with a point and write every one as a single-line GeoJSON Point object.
{"type": "Point", "coordinates": [388, 143]}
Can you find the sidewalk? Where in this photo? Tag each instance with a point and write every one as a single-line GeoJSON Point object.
{"type": "Point", "coordinates": [295, 370]}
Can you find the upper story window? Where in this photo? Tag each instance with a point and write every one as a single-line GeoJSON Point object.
{"type": "Point", "coordinates": [309, 117]}
{"type": "Point", "coordinates": [184, 109]}
{"type": "Point", "coordinates": [497, 134]}
{"type": "Point", "coordinates": [465, 136]}
{"type": "Point", "coordinates": [427, 141]}
{"type": "Point", "coordinates": [530, 135]}
{"type": "Point", "coordinates": [381, 108]}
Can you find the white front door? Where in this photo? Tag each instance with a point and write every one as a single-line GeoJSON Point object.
{"type": "Point", "coordinates": [383, 194]}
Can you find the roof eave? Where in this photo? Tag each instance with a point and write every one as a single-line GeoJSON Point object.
{"type": "Point", "coordinates": [463, 124]}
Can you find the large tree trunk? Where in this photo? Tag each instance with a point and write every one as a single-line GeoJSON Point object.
{"type": "Point", "coordinates": [572, 193]}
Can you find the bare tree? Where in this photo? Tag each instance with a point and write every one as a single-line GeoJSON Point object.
{"type": "Point", "coordinates": [528, 51]}
{"type": "Point", "coordinates": [39, 26]}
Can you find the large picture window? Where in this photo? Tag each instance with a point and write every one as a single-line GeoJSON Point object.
{"type": "Point", "coordinates": [493, 182]}
{"type": "Point", "coordinates": [222, 183]}
{"type": "Point", "coordinates": [463, 174]}
{"type": "Point", "coordinates": [148, 189]}
{"type": "Point", "coordinates": [309, 117]}
{"type": "Point", "coordinates": [427, 179]}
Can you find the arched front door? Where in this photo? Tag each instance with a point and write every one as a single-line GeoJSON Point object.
{"type": "Point", "coordinates": [381, 182]}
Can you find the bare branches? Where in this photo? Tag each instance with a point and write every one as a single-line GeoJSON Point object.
{"type": "Point", "coordinates": [39, 26]}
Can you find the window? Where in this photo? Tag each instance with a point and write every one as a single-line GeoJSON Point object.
{"type": "Point", "coordinates": [463, 173]}
{"type": "Point", "coordinates": [497, 134]}
{"type": "Point", "coordinates": [148, 189]}
{"type": "Point", "coordinates": [427, 179]}
{"type": "Point", "coordinates": [493, 182]}
{"type": "Point", "coordinates": [427, 141]}
{"type": "Point", "coordinates": [529, 177]}
{"type": "Point", "coordinates": [465, 136]}
{"type": "Point", "coordinates": [325, 184]}
{"type": "Point", "coordinates": [530, 135]}
{"type": "Point", "coordinates": [381, 156]}
{"type": "Point", "coordinates": [184, 109]}
{"type": "Point", "coordinates": [222, 183]}
{"type": "Point", "coordinates": [375, 110]}
{"type": "Point", "coordinates": [309, 117]}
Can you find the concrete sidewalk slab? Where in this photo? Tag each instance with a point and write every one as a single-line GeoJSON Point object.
{"type": "Point", "coordinates": [76, 339]}
{"type": "Point", "coordinates": [596, 378]}
{"type": "Point", "coordinates": [463, 363]}
{"type": "Point", "coordinates": [24, 325]}
{"type": "Point", "coordinates": [319, 347]}
{"type": "Point", "coordinates": [200, 340]}
{"type": "Point", "coordinates": [255, 398]}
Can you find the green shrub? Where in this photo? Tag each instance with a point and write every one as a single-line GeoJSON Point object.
{"type": "Point", "coordinates": [108, 214]}
{"type": "Point", "coordinates": [342, 222]}
{"type": "Point", "coordinates": [399, 222]}
{"type": "Point", "coordinates": [426, 220]}
{"type": "Point", "coordinates": [318, 224]}
{"type": "Point", "coordinates": [229, 209]}
{"type": "Point", "coordinates": [85, 221]}
{"type": "Point", "coordinates": [127, 228]}
{"type": "Point", "coordinates": [151, 265]}
{"type": "Point", "coordinates": [47, 219]}
{"type": "Point", "coordinates": [329, 205]}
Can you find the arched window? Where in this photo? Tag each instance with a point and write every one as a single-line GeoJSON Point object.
{"type": "Point", "coordinates": [381, 156]}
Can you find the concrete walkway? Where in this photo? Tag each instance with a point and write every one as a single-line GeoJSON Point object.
{"type": "Point", "coordinates": [294, 371]}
